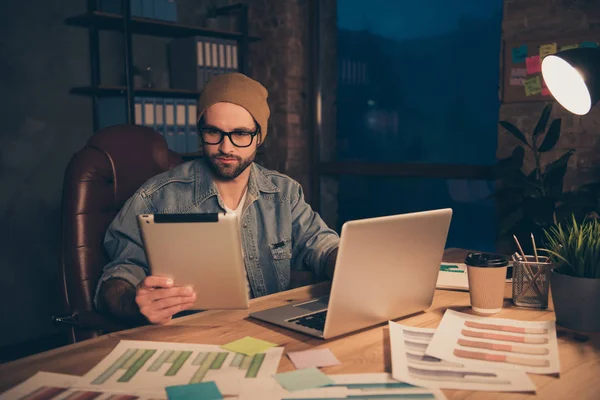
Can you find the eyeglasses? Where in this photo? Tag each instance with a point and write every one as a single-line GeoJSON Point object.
{"type": "Point", "coordinates": [212, 135]}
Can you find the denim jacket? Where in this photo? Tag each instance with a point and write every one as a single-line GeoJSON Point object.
{"type": "Point", "coordinates": [279, 230]}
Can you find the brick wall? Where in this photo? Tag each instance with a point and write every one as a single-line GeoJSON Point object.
{"type": "Point", "coordinates": [524, 19]}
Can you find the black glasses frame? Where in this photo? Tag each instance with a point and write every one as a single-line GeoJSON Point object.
{"type": "Point", "coordinates": [228, 134]}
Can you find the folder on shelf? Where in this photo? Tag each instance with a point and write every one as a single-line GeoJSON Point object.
{"type": "Point", "coordinates": [148, 106]}
{"type": "Point", "coordinates": [170, 123]}
{"type": "Point", "coordinates": [200, 60]}
{"type": "Point", "coordinates": [222, 69]}
{"type": "Point", "coordinates": [147, 8]}
{"type": "Point", "coordinates": [192, 133]}
{"type": "Point", "coordinates": [138, 111]}
{"type": "Point", "coordinates": [180, 123]}
{"type": "Point", "coordinates": [159, 116]}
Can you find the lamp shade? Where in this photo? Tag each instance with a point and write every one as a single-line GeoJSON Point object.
{"type": "Point", "coordinates": [573, 78]}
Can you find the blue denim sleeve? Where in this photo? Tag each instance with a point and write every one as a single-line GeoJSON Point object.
{"type": "Point", "coordinates": [312, 240]}
{"type": "Point", "coordinates": [123, 245]}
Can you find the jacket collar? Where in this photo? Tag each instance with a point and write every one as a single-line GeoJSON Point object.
{"type": "Point", "coordinates": [206, 186]}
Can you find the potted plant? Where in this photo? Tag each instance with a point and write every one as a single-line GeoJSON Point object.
{"type": "Point", "coordinates": [574, 250]}
{"type": "Point", "coordinates": [530, 201]}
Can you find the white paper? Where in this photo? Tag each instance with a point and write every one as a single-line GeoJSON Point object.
{"type": "Point", "coordinates": [409, 364]}
{"type": "Point", "coordinates": [48, 386]}
{"type": "Point", "coordinates": [159, 367]}
{"type": "Point", "coordinates": [361, 385]}
{"type": "Point", "coordinates": [445, 343]}
{"type": "Point", "coordinates": [455, 278]}
{"type": "Point", "coordinates": [345, 386]}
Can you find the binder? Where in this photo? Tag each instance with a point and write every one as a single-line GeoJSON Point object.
{"type": "Point", "coordinates": [234, 56]}
{"type": "Point", "coordinates": [215, 58]}
{"type": "Point", "coordinates": [222, 69]}
{"type": "Point", "coordinates": [192, 133]}
{"type": "Point", "coordinates": [137, 9]}
{"type": "Point", "coordinates": [138, 111]}
{"type": "Point", "coordinates": [208, 60]}
{"type": "Point", "coordinates": [159, 116]}
{"type": "Point", "coordinates": [228, 57]}
{"type": "Point", "coordinates": [148, 113]}
{"type": "Point", "coordinates": [170, 123]}
{"type": "Point", "coordinates": [200, 63]}
{"type": "Point", "coordinates": [180, 123]}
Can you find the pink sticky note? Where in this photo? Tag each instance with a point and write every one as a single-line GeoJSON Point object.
{"type": "Point", "coordinates": [313, 358]}
{"type": "Point", "coordinates": [534, 65]}
{"type": "Point", "coordinates": [545, 91]}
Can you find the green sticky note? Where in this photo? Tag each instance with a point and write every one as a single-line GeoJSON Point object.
{"type": "Point", "coordinates": [308, 378]}
{"type": "Point", "coordinates": [202, 390]}
{"type": "Point", "coordinates": [451, 268]}
{"type": "Point", "coordinates": [248, 345]}
{"type": "Point", "coordinates": [533, 86]}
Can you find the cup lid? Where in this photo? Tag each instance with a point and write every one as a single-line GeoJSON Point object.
{"type": "Point", "coordinates": [486, 260]}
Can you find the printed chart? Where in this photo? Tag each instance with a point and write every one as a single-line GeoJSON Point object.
{"type": "Point", "coordinates": [411, 364]}
{"type": "Point", "coordinates": [150, 366]}
{"type": "Point", "coordinates": [50, 386]}
{"type": "Point", "coordinates": [475, 341]}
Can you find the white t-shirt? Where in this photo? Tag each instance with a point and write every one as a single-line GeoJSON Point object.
{"type": "Point", "coordinates": [238, 211]}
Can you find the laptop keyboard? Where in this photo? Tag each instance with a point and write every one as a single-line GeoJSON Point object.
{"type": "Point", "coordinates": [313, 321]}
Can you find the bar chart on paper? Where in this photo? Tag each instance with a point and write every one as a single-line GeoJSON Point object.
{"type": "Point", "coordinates": [145, 366]}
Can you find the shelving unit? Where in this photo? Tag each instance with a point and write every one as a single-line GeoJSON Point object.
{"type": "Point", "coordinates": [95, 21]}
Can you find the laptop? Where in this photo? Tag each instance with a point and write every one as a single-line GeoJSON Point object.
{"type": "Point", "coordinates": [387, 268]}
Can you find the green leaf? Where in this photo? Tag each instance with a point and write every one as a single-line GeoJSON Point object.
{"type": "Point", "coordinates": [551, 136]}
{"type": "Point", "coordinates": [515, 131]}
{"type": "Point", "coordinates": [541, 125]}
{"type": "Point", "coordinates": [554, 174]}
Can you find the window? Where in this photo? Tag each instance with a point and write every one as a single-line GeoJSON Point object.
{"type": "Point", "coordinates": [417, 112]}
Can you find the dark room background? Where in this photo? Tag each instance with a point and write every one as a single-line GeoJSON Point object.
{"type": "Point", "coordinates": [447, 116]}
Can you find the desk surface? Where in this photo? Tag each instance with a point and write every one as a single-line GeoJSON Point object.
{"type": "Point", "coordinates": [365, 351]}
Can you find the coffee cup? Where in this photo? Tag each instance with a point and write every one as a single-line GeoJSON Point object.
{"type": "Point", "coordinates": [487, 276]}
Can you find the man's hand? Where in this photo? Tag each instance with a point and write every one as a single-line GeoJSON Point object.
{"type": "Point", "coordinates": [158, 299]}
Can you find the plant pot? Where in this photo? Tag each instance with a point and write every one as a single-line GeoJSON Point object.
{"type": "Point", "coordinates": [576, 302]}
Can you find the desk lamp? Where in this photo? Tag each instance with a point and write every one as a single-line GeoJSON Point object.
{"type": "Point", "coordinates": [573, 78]}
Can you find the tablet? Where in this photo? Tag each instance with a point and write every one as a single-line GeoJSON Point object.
{"type": "Point", "coordinates": [199, 250]}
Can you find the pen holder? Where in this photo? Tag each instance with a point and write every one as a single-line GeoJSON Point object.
{"type": "Point", "coordinates": [531, 281]}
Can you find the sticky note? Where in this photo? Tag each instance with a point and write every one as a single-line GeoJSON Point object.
{"type": "Point", "coordinates": [249, 346]}
{"type": "Point", "coordinates": [301, 379]}
{"type": "Point", "coordinates": [518, 72]}
{"type": "Point", "coordinates": [519, 54]}
{"type": "Point", "coordinates": [534, 65]}
{"type": "Point", "coordinates": [592, 45]}
{"type": "Point", "coordinates": [547, 49]}
{"type": "Point", "coordinates": [569, 47]}
{"type": "Point", "coordinates": [517, 81]}
{"type": "Point", "coordinates": [452, 268]}
{"type": "Point", "coordinates": [202, 390]}
{"type": "Point", "coordinates": [545, 92]}
{"type": "Point", "coordinates": [313, 358]}
{"type": "Point", "coordinates": [533, 86]}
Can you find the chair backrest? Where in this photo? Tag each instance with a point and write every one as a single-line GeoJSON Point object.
{"type": "Point", "coordinates": [98, 180]}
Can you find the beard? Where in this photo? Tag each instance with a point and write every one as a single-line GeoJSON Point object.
{"type": "Point", "coordinates": [229, 170]}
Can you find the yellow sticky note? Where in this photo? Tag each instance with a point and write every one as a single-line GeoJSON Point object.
{"type": "Point", "coordinates": [569, 47]}
{"type": "Point", "coordinates": [547, 49]}
{"type": "Point", "coordinates": [533, 86]}
{"type": "Point", "coordinates": [249, 346]}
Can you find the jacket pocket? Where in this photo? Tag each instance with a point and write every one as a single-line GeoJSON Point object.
{"type": "Point", "coordinates": [281, 253]}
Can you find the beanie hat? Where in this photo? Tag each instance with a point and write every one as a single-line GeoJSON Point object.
{"type": "Point", "coordinates": [238, 89]}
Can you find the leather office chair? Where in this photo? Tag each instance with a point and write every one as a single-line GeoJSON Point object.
{"type": "Point", "coordinates": [98, 180]}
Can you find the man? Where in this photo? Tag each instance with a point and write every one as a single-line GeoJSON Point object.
{"type": "Point", "coordinates": [279, 230]}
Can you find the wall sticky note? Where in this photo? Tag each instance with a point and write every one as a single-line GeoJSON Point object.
{"type": "Point", "coordinates": [569, 47]}
{"type": "Point", "coordinates": [202, 390]}
{"type": "Point", "coordinates": [519, 54]}
{"type": "Point", "coordinates": [547, 49]}
{"type": "Point", "coordinates": [534, 65]}
{"type": "Point", "coordinates": [249, 346]}
{"type": "Point", "coordinates": [301, 379]}
{"type": "Point", "coordinates": [592, 45]}
{"type": "Point", "coordinates": [533, 86]}
{"type": "Point", "coordinates": [518, 72]}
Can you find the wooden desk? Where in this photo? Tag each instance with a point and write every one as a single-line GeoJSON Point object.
{"type": "Point", "coordinates": [365, 351]}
